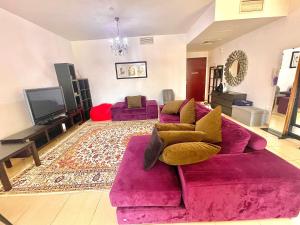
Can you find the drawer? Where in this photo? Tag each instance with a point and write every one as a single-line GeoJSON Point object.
{"type": "Point", "coordinates": [229, 96]}
{"type": "Point", "coordinates": [225, 110]}
{"type": "Point", "coordinates": [221, 101]}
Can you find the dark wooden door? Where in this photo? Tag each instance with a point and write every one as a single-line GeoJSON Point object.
{"type": "Point", "coordinates": [195, 78]}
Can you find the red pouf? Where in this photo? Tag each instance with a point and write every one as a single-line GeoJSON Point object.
{"type": "Point", "coordinates": [101, 112]}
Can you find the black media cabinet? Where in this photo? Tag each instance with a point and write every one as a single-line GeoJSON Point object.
{"type": "Point", "coordinates": [43, 134]}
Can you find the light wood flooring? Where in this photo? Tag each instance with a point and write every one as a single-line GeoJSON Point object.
{"type": "Point", "coordinates": [93, 207]}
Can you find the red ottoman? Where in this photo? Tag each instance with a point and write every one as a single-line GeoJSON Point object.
{"type": "Point", "coordinates": [101, 112]}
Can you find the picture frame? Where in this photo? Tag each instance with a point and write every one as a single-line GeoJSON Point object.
{"type": "Point", "coordinates": [131, 70]}
{"type": "Point", "coordinates": [295, 59]}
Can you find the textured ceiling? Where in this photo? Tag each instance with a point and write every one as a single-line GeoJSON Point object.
{"type": "Point", "coordinates": [93, 19]}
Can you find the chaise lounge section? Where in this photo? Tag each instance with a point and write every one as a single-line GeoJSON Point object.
{"type": "Point", "coordinates": [245, 181]}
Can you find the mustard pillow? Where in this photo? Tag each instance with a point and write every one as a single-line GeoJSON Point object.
{"type": "Point", "coordinates": [174, 137]}
{"type": "Point", "coordinates": [188, 153]}
{"type": "Point", "coordinates": [174, 126]}
{"type": "Point", "coordinates": [211, 124]}
{"type": "Point", "coordinates": [172, 107]}
{"type": "Point", "coordinates": [134, 102]}
{"type": "Point", "coordinates": [187, 113]}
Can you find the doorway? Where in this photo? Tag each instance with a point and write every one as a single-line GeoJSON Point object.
{"type": "Point", "coordinates": [195, 78]}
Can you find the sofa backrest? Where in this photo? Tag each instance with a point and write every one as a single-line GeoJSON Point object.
{"type": "Point", "coordinates": [143, 101]}
{"type": "Point", "coordinates": [236, 139]}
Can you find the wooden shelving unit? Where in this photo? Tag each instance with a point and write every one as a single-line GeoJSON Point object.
{"type": "Point", "coordinates": [76, 91]}
{"type": "Point", "coordinates": [215, 78]}
{"type": "Point", "coordinates": [85, 93]}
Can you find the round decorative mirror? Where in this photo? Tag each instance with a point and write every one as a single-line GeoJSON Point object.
{"type": "Point", "coordinates": [236, 68]}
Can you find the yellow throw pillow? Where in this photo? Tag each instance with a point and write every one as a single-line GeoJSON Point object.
{"type": "Point", "coordinates": [188, 113]}
{"type": "Point", "coordinates": [211, 124]}
{"type": "Point", "coordinates": [188, 153]}
{"type": "Point", "coordinates": [174, 126]}
{"type": "Point", "coordinates": [134, 102]}
{"type": "Point", "coordinates": [172, 107]}
{"type": "Point", "coordinates": [174, 137]}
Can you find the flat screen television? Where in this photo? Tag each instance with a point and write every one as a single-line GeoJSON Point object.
{"type": "Point", "coordinates": [45, 103]}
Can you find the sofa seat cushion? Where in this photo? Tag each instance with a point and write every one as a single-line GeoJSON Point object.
{"type": "Point", "coordinates": [270, 178]}
{"type": "Point", "coordinates": [134, 110]}
{"type": "Point", "coordinates": [240, 168]}
{"type": "Point", "coordinates": [133, 186]}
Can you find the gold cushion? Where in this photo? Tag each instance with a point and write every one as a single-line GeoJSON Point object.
{"type": "Point", "coordinates": [134, 102]}
{"type": "Point", "coordinates": [174, 137]}
{"type": "Point", "coordinates": [188, 153]}
{"type": "Point", "coordinates": [211, 124]}
{"type": "Point", "coordinates": [174, 126]}
{"type": "Point", "coordinates": [172, 107]}
{"type": "Point", "coordinates": [188, 113]}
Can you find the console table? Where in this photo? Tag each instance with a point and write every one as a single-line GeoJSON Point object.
{"type": "Point", "coordinates": [226, 100]}
{"type": "Point", "coordinates": [8, 151]}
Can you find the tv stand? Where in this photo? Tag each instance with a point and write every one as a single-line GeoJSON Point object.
{"type": "Point", "coordinates": [43, 134]}
{"type": "Point", "coordinates": [53, 120]}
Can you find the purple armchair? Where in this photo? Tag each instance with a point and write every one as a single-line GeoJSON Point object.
{"type": "Point", "coordinates": [121, 112]}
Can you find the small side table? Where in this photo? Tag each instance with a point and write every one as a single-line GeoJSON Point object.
{"type": "Point", "coordinates": [7, 151]}
{"type": "Point", "coordinates": [4, 220]}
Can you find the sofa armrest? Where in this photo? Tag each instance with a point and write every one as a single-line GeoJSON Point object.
{"type": "Point", "coordinates": [256, 142]}
{"type": "Point", "coordinates": [152, 109]}
{"type": "Point", "coordinates": [161, 107]}
{"type": "Point", "coordinates": [118, 106]}
{"type": "Point", "coordinates": [151, 103]}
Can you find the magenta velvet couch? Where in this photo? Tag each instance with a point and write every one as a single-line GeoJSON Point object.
{"type": "Point", "coordinates": [244, 182]}
{"type": "Point", "coordinates": [121, 112]}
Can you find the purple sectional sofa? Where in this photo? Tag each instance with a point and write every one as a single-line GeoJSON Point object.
{"type": "Point", "coordinates": [244, 181]}
{"type": "Point", "coordinates": [121, 112]}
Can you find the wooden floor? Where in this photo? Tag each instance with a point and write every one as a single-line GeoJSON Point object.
{"type": "Point", "coordinates": [93, 207]}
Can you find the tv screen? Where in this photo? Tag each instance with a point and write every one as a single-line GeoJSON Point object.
{"type": "Point", "coordinates": [45, 103]}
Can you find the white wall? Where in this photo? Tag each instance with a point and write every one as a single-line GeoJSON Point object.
{"type": "Point", "coordinates": [204, 21]}
{"type": "Point", "coordinates": [27, 55]}
{"type": "Point", "coordinates": [264, 49]}
{"type": "Point", "coordinates": [166, 60]}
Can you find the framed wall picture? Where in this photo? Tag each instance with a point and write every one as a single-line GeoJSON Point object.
{"type": "Point", "coordinates": [295, 59]}
{"type": "Point", "coordinates": [130, 70]}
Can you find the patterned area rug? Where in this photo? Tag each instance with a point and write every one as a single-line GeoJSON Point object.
{"type": "Point", "coordinates": [87, 160]}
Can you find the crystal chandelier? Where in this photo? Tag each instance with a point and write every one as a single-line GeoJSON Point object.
{"type": "Point", "coordinates": [119, 45]}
